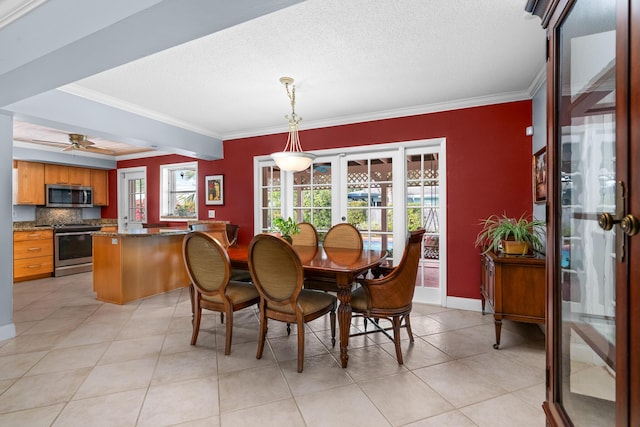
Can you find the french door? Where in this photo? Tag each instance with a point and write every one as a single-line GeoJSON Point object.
{"type": "Point", "coordinates": [383, 190]}
{"type": "Point", "coordinates": [132, 205]}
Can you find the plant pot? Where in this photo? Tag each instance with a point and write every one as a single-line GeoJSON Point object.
{"type": "Point", "coordinates": [512, 247]}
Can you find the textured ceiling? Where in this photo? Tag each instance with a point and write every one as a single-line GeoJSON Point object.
{"type": "Point", "coordinates": [352, 61]}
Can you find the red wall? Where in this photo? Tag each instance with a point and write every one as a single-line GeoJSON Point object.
{"type": "Point", "coordinates": [488, 172]}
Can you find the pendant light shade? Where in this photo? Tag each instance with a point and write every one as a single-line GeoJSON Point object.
{"type": "Point", "coordinates": [292, 158]}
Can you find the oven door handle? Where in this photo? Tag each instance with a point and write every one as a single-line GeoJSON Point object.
{"type": "Point", "coordinates": [72, 233]}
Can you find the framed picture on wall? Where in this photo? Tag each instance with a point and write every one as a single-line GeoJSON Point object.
{"type": "Point", "coordinates": [214, 186]}
{"type": "Point", "coordinates": [540, 176]}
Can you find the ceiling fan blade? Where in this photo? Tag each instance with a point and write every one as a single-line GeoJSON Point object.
{"type": "Point", "coordinates": [86, 143]}
{"type": "Point", "coordinates": [50, 143]}
{"type": "Point", "coordinates": [99, 150]}
{"type": "Point", "coordinates": [69, 148]}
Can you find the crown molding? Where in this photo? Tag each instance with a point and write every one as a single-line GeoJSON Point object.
{"type": "Point", "coordinates": [11, 10]}
{"type": "Point", "coordinates": [538, 80]}
{"type": "Point", "coordinates": [391, 114]}
{"type": "Point", "coordinates": [91, 95]}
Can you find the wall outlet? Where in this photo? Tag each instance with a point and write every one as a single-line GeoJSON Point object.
{"type": "Point", "coordinates": [212, 213]}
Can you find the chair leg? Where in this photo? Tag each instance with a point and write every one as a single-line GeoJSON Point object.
{"type": "Point", "coordinates": [191, 297]}
{"type": "Point", "coordinates": [288, 328]}
{"type": "Point", "coordinates": [407, 323]}
{"type": "Point", "coordinates": [229, 334]}
{"type": "Point", "coordinates": [332, 317]}
{"type": "Point", "coordinates": [396, 337]}
{"type": "Point", "coordinates": [222, 318]}
{"type": "Point", "coordinates": [300, 345]}
{"type": "Point", "coordinates": [263, 331]}
{"type": "Point", "coordinates": [197, 314]}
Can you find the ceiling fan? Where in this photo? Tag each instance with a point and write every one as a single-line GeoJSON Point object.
{"type": "Point", "coordinates": [76, 142]}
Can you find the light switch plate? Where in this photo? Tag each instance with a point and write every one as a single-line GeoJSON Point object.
{"type": "Point", "coordinates": [212, 213]}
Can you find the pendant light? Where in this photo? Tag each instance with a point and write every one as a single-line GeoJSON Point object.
{"type": "Point", "coordinates": [292, 158]}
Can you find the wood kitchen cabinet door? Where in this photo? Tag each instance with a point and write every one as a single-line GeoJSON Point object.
{"type": "Point", "coordinates": [68, 175]}
{"type": "Point", "coordinates": [79, 176]}
{"type": "Point", "coordinates": [100, 185]}
{"type": "Point", "coordinates": [30, 185]}
{"type": "Point", "coordinates": [56, 174]}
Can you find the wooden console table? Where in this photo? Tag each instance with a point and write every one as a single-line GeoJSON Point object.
{"type": "Point", "coordinates": [514, 286]}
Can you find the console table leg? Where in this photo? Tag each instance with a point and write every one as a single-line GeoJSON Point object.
{"type": "Point", "coordinates": [498, 325]}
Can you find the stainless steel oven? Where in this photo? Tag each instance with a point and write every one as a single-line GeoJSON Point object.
{"type": "Point", "coordinates": [72, 249]}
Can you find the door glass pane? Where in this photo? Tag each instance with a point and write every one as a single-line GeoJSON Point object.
{"type": "Point", "coordinates": [312, 195]}
{"type": "Point", "coordinates": [136, 206]}
{"type": "Point", "coordinates": [370, 199]}
{"type": "Point", "coordinates": [423, 210]}
{"type": "Point", "coordinates": [586, 135]}
{"type": "Point", "coordinates": [270, 196]}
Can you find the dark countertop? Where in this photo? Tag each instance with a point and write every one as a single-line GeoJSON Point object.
{"type": "Point", "coordinates": [31, 225]}
{"type": "Point", "coordinates": [143, 232]}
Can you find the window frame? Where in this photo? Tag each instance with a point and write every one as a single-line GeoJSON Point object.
{"type": "Point", "coordinates": [168, 191]}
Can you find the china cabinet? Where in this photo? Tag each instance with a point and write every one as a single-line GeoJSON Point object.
{"type": "Point", "coordinates": [593, 267]}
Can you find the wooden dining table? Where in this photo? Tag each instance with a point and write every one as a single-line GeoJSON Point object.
{"type": "Point", "coordinates": [341, 263]}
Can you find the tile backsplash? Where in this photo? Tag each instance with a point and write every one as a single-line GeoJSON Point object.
{"type": "Point", "coordinates": [50, 216]}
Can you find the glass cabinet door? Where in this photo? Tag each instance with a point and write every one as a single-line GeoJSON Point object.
{"type": "Point", "coordinates": [588, 193]}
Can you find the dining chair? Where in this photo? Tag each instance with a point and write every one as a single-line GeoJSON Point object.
{"type": "Point", "coordinates": [208, 267]}
{"type": "Point", "coordinates": [219, 231]}
{"type": "Point", "coordinates": [277, 272]}
{"type": "Point", "coordinates": [308, 235]}
{"type": "Point", "coordinates": [389, 297]}
{"type": "Point", "coordinates": [342, 235]}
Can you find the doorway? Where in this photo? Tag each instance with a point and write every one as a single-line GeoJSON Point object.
{"type": "Point", "coordinates": [132, 206]}
{"type": "Point", "coordinates": [384, 190]}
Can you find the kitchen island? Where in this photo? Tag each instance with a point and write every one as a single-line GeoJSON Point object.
{"type": "Point", "coordinates": [137, 263]}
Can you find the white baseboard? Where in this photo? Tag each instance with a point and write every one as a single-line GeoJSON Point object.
{"type": "Point", "coordinates": [464, 303]}
{"type": "Point", "coordinates": [7, 331]}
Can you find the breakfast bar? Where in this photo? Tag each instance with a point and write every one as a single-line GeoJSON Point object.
{"type": "Point", "coordinates": [137, 263]}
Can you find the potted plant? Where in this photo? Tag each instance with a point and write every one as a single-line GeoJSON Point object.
{"type": "Point", "coordinates": [515, 237]}
{"type": "Point", "coordinates": [286, 227]}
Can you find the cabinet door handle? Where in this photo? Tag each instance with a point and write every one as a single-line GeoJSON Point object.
{"type": "Point", "coordinates": [34, 249]}
{"type": "Point", "coordinates": [35, 266]}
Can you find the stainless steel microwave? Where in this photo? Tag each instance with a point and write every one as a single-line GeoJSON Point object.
{"type": "Point", "coordinates": [68, 196]}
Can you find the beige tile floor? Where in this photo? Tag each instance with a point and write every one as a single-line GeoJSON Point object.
{"type": "Point", "coordinates": [79, 362]}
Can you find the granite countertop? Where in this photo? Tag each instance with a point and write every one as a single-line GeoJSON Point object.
{"type": "Point", "coordinates": [32, 226]}
{"type": "Point", "coordinates": [143, 232]}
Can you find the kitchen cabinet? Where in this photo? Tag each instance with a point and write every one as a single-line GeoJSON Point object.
{"type": "Point", "coordinates": [79, 176]}
{"type": "Point", "coordinates": [30, 185]}
{"type": "Point", "coordinates": [32, 254]}
{"type": "Point", "coordinates": [514, 287]}
{"type": "Point", "coordinates": [69, 175]}
{"type": "Point", "coordinates": [100, 185]}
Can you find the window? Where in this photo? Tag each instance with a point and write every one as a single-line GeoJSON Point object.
{"type": "Point", "coordinates": [179, 192]}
